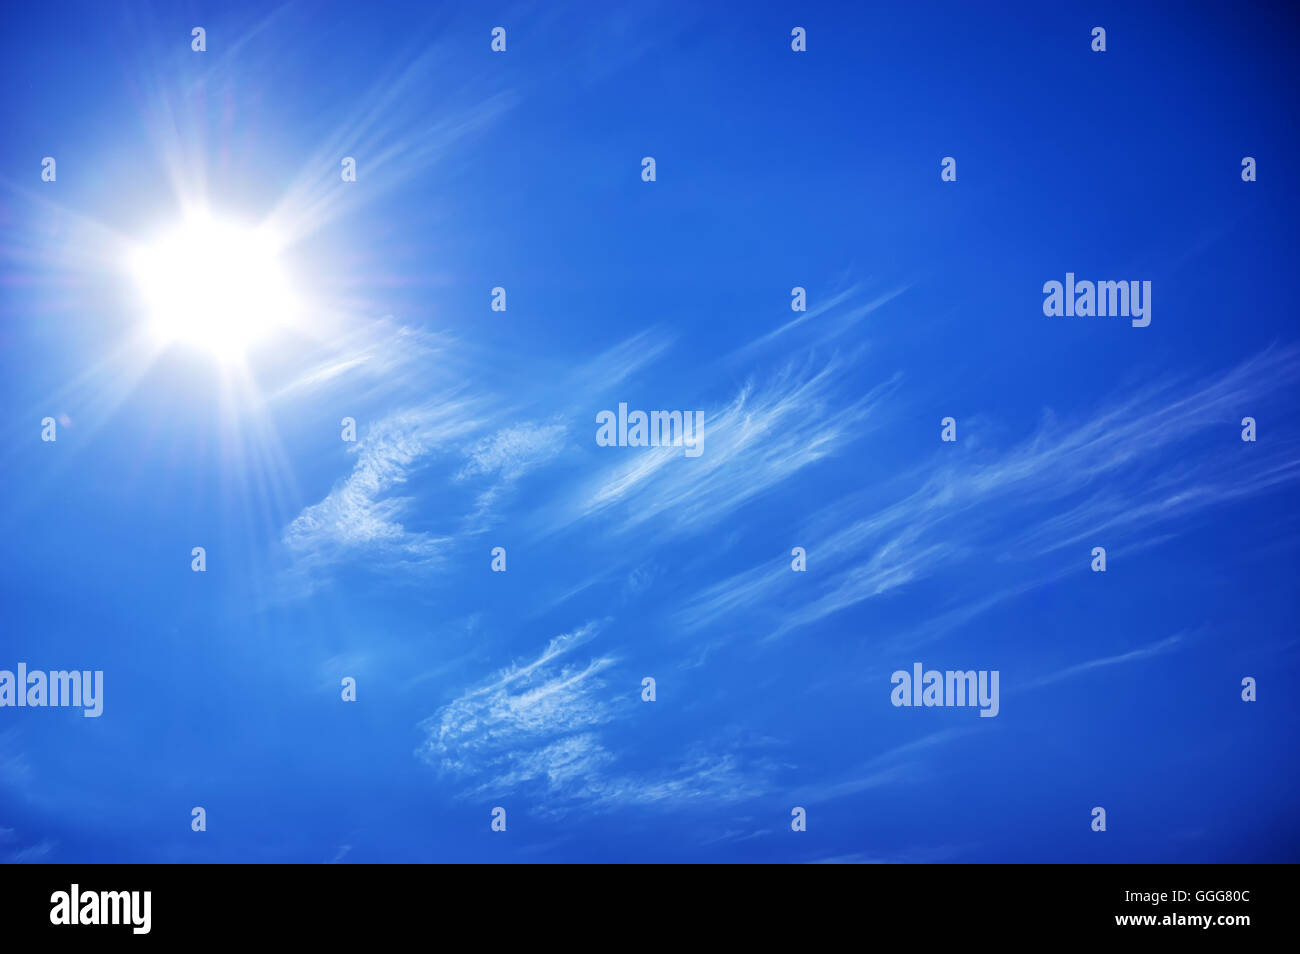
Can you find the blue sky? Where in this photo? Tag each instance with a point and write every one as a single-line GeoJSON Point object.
{"type": "Point", "coordinates": [476, 429]}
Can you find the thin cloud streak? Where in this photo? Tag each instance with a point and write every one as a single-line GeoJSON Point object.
{"type": "Point", "coordinates": [959, 513]}
{"type": "Point", "coordinates": [1146, 652]}
{"type": "Point", "coordinates": [763, 437]}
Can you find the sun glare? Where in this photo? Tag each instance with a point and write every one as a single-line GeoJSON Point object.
{"type": "Point", "coordinates": [213, 285]}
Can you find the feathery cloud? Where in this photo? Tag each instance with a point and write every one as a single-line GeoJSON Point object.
{"type": "Point", "coordinates": [962, 509]}
{"type": "Point", "coordinates": [764, 436]}
{"type": "Point", "coordinates": [361, 516]}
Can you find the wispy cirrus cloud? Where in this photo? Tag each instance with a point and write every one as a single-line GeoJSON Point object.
{"type": "Point", "coordinates": [1106, 475]}
{"type": "Point", "coordinates": [830, 319]}
{"type": "Point", "coordinates": [513, 451]}
{"type": "Point", "coordinates": [361, 515]}
{"type": "Point", "coordinates": [766, 434]}
{"type": "Point", "coordinates": [899, 764]}
{"type": "Point", "coordinates": [913, 856]}
{"type": "Point", "coordinates": [526, 704]}
{"type": "Point", "coordinates": [540, 726]}
{"type": "Point", "coordinates": [1159, 648]}
{"type": "Point", "coordinates": [504, 458]}
{"type": "Point", "coordinates": [374, 356]}
{"type": "Point", "coordinates": [339, 855]}
{"type": "Point", "coordinates": [772, 428]}
{"type": "Point", "coordinates": [621, 362]}
{"type": "Point", "coordinates": [29, 854]}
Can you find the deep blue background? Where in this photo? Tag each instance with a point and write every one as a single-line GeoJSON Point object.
{"type": "Point", "coordinates": [775, 169]}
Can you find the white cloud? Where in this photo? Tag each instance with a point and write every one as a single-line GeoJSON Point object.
{"type": "Point", "coordinates": [962, 509]}
{"type": "Point", "coordinates": [507, 456]}
{"type": "Point", "coordinates": [764, 436]}
{"type": "Point", "coordinates": [1159, 648]}
{"type": "Point", "coordinates": [32, 854]}
{"type": "Point", "coordinates": [340, 854]}
{"type": "Point", "coordinates": [538, 725]}
{"type": "Point", "coordinates": [513, 451]}
{"type": "Point", "coordinates": [620, 362]}
{"type": "Point", "coordinates": [525, 704]}
{"type": "Point", "coordinates": [376, 356]}
{"type": "Point", "coordinates": [828, 319]}
{"type": "Point", "coordinates": [361, 516]}
{"type": "Point", "coordinates": [895, 765]}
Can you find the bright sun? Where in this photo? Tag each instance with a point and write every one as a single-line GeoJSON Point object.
{"type": "Point", "coordinates": [213, 285]}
